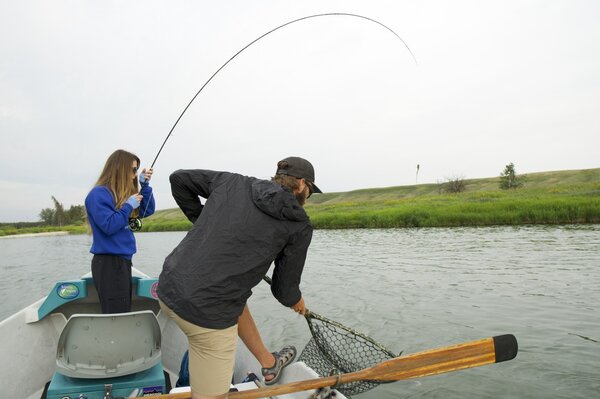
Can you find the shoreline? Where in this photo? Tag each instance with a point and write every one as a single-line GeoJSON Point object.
{"type": "Point", "coordinates": [45, 234]}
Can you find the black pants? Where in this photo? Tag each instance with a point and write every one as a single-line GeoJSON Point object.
{"type": "Point", "coordinates": [112, 279]}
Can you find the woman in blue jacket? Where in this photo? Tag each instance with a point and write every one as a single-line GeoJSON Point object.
{"type": "Point", "coordinates": [114, 200]}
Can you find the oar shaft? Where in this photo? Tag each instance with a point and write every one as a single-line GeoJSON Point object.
{"type": "Point", "coordinates": [265, 392]}
{"type": "Point", "coordinates": [277, 390]}
{"type": "Point", "coordinates": [422, 364]}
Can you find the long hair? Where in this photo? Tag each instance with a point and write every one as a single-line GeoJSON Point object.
{"type": "Point", "coordinates": [291, 182]}
{"type": "Point", "coordinates": [116, 176]}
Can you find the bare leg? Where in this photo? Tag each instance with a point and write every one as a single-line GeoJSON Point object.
{"type": "Point", "coordinates": [249, 334]}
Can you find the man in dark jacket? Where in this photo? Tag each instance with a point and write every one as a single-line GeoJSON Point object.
{"type": "Point", "coordinates": [244, 225]}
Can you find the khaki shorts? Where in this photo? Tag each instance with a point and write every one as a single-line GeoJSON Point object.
{"type": "Point", "coordinates": [211, 355]}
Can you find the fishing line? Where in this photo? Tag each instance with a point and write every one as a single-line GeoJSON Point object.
{"type": "Point", "coordinates": [254, 41]}
{"type": "Point", "coordinates": [260, 37]}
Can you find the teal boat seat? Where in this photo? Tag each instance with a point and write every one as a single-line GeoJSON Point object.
{"type": "Point", "coordinates": [108, 345]}
{"type": "Point", "coordinates": [65, 292]}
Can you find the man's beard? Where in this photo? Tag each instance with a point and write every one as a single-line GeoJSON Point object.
{"type": "Point", "coordinates": [302, 196]}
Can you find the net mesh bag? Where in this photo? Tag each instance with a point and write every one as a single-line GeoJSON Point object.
{"type": "Point", "coordinates": [335, 349]}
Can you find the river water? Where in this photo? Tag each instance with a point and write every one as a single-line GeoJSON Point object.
{"type": "Point", "coordinates": [411, 290]}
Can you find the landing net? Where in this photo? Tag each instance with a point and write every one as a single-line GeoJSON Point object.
{"type": "Point", "coordinates": [335, 348]}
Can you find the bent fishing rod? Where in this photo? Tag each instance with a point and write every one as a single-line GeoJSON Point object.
{"type": "Point", "coordinates": [259, 38]}
{"type": "Point", "coordinates": [332, 14]}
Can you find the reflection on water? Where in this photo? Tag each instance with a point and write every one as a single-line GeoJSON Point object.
{"type": "Point", "coordinates": [412, 290]}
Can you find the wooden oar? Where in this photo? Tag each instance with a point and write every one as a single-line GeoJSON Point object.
{"type": "Point", "coordinates": [432, 362]}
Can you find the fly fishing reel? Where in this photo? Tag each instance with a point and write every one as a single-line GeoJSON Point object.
{"type": "Point", "coordinates": [135, 224]}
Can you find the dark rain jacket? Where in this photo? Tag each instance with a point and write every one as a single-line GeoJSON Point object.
{"type": "Point", "coordinates": [244, 225]}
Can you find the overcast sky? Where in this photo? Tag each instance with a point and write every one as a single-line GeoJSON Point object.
{"type": "Point", "coordinates": [496, 82]}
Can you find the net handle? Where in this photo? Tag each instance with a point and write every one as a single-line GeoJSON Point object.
{"type": "Point", "coordinates": [309, 315]}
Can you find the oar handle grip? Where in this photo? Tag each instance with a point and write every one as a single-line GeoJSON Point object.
{"type": "Point", "coordinates": [506, 347]}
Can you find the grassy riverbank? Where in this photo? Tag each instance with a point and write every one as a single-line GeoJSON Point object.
{"type": "Point", "coordinates": [562, 197]}
{"type": "Point", "coordinates": [7, 229]}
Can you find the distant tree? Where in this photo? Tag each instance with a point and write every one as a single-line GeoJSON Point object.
{"type": "Point", "coordinates": [47, 216]}
{"type": "Point", "coordinates": [60, 217]}
{"type": "Point", "coordinates": [417, 175]}
{"type": "Point", "coordinates": [509, 178]}
{"type": "Point", "coordinates": [59, 213]}
{"type": "Point", "coordinates": [76, 214]}
{"type": "Point", "coordinates": [453, 185]}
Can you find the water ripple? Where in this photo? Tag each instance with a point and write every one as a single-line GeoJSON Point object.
{"type": "Point", "coordinates": [412, 290]}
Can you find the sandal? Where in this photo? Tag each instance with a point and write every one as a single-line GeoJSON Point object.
{"type": "Point", "coordinates": [282, 358]}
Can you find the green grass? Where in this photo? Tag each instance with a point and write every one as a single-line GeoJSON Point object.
{"type": "Point", "coordinates": [8, 229]}
{"type": "Point", "coordinates": [563, 197]}
{"type": "Point", "coordinates": [483, 208]}
{"type": "Point", "coordinates": [167, 220]}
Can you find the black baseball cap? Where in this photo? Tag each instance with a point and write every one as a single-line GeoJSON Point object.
{"type": "Point", "coordinates": [300, 168]}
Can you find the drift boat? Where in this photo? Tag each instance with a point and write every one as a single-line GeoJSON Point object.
{"type": "Point", "coordinates": [62, 347]}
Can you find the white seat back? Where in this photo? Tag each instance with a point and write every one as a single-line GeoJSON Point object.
{"type": "Point", "coordinates": [108, 345]}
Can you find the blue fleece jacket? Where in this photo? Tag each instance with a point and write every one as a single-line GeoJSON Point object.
{"type": "Point", "coordinates": [110, 226]}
